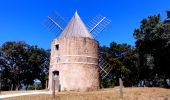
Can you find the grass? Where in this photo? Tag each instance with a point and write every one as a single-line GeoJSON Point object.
{"type": "Point", "coordinates": [105, 94]}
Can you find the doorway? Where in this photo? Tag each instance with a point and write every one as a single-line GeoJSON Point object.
{"type": "Point", "coordinates": [56, 82]}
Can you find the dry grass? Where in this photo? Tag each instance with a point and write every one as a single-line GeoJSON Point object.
{"type": "Point", "coordinates": [105, 94]}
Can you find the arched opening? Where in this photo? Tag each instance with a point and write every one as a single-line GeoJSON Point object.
{"type": "Point", "coordinates": [56, 81]}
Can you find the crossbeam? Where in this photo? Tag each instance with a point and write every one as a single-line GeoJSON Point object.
{"type": "Point", "coordinates": [55, 23]}
{"type": "Point", "coordinates": [105, 68]}
{"type": "Point", "coordinates": [97, 25]}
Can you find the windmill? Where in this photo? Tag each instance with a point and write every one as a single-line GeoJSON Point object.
{"type": "Point", "coordinates": [56, 24]}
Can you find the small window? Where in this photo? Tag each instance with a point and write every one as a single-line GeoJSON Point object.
{"type": "Point", "coordinates": [58, 59]}
{"type": "Point", "coordinates": [57, 46]}
{"type": "Point", "coordinates": [56, 73]}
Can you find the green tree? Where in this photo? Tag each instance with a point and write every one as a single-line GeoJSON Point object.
{"type": "Point", "coordinates": [16, 57]}
{"type": "Point", "coordinates": [39, 62]}
{"type": "Point", "coordinates": [122, 58]}
{"type": "Point", "coordinates": [153, 46]}
{"type": "Point", "coordinates": [23, 63]}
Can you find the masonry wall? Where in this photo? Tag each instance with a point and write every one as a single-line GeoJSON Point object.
{"type": "Point", "coordinates": [77, 63]}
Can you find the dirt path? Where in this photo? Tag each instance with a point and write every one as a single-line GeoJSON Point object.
{"type": "Point", "coordinates": [21, 94]}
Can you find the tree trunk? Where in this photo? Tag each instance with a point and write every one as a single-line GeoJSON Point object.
{"type": "Point", "coordinates": [46, 84]}
{"type": "Point", "coordinates": [12, 85]}
{"type": "Point", "coordinates": [43, 84]}
{"type": "Point", "coordinates": [16, 87]}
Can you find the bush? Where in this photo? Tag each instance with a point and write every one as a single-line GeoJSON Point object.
{"type": "Point", "coordinates": [35, 87]}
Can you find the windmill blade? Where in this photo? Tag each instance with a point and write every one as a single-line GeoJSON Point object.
{"type": "Point", "coordinates": [97, 25]}
{"type": "Point", "coordinates": [105, 68]}
{"type": "Point", "coordinates": [55, 23]}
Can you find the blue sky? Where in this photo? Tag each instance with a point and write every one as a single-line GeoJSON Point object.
{"type": "Point", "coordinates": [23, 19]}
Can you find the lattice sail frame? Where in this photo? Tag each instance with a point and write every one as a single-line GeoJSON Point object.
{"type": "Point", "coordinates": [97, 25]}
{"type": "Point", "coordinates": [56, 24]}
{"type": "Point", "coordinates": [105, 68]}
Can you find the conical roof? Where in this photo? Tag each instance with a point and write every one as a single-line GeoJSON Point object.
{"type": "Point", "coordinates": [76, 28]}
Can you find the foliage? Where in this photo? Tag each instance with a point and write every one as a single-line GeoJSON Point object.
{"type": "Point", "coordinates": [23, 63]}
{"type": "Point", "coordinates": [153, 47]}
{"type": "Point", "coordinates": [148, 62]}
{"type": "Point", "coordinates": [35, 87]}
{"type": "Point", "coordinates": [122, 58]}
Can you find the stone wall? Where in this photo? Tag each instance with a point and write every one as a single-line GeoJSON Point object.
{"type": "Point", "coordinates": [77, 63]}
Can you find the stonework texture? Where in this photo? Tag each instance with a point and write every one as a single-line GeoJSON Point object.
{"type": "Point", "coordinates": [77, 62]}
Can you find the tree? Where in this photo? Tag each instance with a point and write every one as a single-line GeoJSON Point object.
{"type": "Point", "coordinates": [122, 58]}
{"type": "Point", "coordinates": [15, 54]}
{"type": "Point", "coordinates": [23, 63]}
{"type": "Point", "coordinates": [39, 62]}
{"type": "Point", "coordinates": [152, 43]}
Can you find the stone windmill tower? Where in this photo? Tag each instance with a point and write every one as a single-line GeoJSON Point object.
{"type": "Point", "coordinates": [74, 55]}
